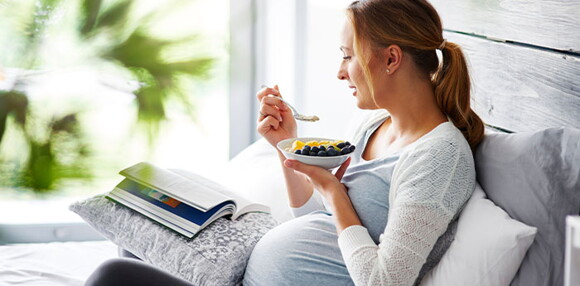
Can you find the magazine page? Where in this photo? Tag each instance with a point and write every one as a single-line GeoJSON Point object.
{"type": "Point", "coordinates": [200, 193]}
{"type": "Point", "coordinates": [250, 207]}
{"type": "Point", "coordinates": [243, 205]}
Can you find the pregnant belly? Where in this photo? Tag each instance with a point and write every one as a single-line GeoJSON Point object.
{"type": "Point", "coordinates": [302, 251]}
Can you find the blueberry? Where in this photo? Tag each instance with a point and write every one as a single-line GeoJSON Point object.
{"type": "Point", "coordinates": [346, 143]}
{"type": "Point", "coordinates": [344, 151]}
{"type": "Point", "coordinates": [315, 149]}
{"type": "Point", "coordinates": [322, 148]}
{"type": "Point", "coordinates": [331, 152]}
{"type": "Point", "coordinates": [351, 147]}
{"type": "Point", "coordinates": [312, 153]}
{"type": "Point", "coordinates": [322, 153]}
{"type": "Point", "coordinates": [340, 145]}
{"type": "Point", "coordinates": [298, 152]}
{"type": "Point", "coordinates": [306, 147]}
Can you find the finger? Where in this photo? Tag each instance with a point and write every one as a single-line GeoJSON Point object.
{"type": "Point", "coordinates": [265, 91]}
{"type": "Point", "coordinates": [267, 124]}
{"type": "Point", "coordinates": [306, 169]}
{"type": "Point", "coordinates": [274, 101]}
{"type": "Point", "coordinates": [261, 117]}
{"type": "Point", "coordinates": [317, 176]}
{"type": "Point", "coordinates": [269, 121]}
{"type": "Point", "coordinates": [269, 110]}
{"type": "Point", "coordinates": [340, 172]}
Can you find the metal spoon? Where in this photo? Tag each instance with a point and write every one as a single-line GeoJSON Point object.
{"type": "Point", "coordinates": [295, 113]}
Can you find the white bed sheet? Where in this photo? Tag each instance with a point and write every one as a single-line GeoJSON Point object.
{"type": "Point", "coordinates": [55, 263]}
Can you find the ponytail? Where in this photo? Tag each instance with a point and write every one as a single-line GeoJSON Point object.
{"type": "Point", "coordinates": [416, 27]}
{"type": "Point", "coordinates": [452, 88]}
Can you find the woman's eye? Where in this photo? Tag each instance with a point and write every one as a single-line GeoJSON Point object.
{"type": "Point", "coordinates": [346, 58]}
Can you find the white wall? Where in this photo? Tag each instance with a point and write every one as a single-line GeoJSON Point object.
{"type": "Point", "coordinates": [301, 43]}
{"type": "Point", "coordinates": [324, 94]}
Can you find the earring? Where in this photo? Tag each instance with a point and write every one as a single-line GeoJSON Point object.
{"type": "Point", "coordinates": [388, 70]}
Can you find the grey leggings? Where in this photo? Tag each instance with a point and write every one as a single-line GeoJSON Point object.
{"type": "Point", "coordinates": [130, 270]}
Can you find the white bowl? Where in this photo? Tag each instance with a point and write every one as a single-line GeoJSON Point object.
{"type": "Point", "coordinates": [324, 162]}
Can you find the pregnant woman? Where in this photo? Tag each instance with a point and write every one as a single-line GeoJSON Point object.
{"type": "Point", "coordinates": [379, 219]}
{"type": "Point", "coordinates": [387, 215]}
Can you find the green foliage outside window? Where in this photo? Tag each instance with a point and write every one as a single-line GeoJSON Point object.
{"type": "Point", "coordinates": [115, 37]}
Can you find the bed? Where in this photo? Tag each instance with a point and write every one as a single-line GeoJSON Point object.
{"type": "Point", "coordinates": [55, 263]}
{"type": "Point", "coordinates": [525, 63]}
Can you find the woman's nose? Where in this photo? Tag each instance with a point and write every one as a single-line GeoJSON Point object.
{"type": "Point", "coordinates": [342, 74]}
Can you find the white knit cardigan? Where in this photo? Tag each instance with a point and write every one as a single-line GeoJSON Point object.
{"type": "Point", "coordinates": [432, 180]}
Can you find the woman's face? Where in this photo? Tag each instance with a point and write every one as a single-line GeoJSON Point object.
{"type": "Point", "coordinates": [352, 72]}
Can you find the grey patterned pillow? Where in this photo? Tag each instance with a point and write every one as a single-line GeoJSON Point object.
{"type": "Point", "coordinates": [216, 256]}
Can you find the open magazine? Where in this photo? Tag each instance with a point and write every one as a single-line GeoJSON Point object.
{"type": "Point", "coordinates": [180, 200]}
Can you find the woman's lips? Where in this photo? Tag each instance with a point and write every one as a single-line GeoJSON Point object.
{"type": "Point", "coordinates": [354, 93]}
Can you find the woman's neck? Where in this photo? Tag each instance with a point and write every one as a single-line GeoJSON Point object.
{"type": "Point", "coordinates": [414, 113]}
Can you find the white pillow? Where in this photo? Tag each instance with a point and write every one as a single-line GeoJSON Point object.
{"type": "Point", "coordinates": [488, 249]}
{"type": "Point", "coordinates": [256, 173]}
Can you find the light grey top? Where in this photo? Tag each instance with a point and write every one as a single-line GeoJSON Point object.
{"type": "Point", "coordinates": [418, 190]}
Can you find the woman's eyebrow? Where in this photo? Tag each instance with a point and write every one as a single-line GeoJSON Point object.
{"type": "Point", "coordinates": [343, 48]}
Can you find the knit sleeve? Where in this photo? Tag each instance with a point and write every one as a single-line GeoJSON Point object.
{"type": "Point", "coordinates": [429, 186]}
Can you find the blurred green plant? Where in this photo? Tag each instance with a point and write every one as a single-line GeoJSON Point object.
{"type": "Point", "coordinates": [116, 34]}
{"type": "Point", "coordinates": [142, 54]}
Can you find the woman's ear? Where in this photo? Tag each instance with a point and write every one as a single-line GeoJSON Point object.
{"type": "Point", "coordinates": [393, 55]}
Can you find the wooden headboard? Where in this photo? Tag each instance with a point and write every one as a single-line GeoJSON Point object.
{"type": "Point", "coordinates": [524, 58]}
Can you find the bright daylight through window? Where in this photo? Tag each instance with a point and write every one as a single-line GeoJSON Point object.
{"type": "Point", "coordinates": [90, 87]}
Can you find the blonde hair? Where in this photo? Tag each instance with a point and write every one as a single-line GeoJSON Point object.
{"type": "Point", "coordinates": [416, 27]}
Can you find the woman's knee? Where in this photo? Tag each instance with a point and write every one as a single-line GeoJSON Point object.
{"type": "Point", "coordinates": [112, 272]}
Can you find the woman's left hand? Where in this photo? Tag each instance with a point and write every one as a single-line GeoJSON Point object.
{"type": "Point", "coordinates": [321, 179]}
{"type": "Point", "coordinates": [332, 189]}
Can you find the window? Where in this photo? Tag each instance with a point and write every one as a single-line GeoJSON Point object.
{"type": "Point", "coordinates": [298, 48]}
{"type": "Point", "coordinates": [74, 71]}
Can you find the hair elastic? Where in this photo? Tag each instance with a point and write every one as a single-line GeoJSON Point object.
{"type": "Point", "coordinates": [442, 46]}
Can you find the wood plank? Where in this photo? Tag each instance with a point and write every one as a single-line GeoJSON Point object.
{"type": "Point", "coordinates": [551, 24]}
{"type": "Point", "coordinates": [520, 88]}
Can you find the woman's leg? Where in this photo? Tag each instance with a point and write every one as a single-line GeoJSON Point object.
{"type": "Point", "coordinates": [125, 271]}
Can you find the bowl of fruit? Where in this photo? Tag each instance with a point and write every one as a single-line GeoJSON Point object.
{"type": "Point", "coordinates": [321, 152]}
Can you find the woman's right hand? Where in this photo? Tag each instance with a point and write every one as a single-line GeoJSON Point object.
{"type": "Point", "coordinates": [275, 121]}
